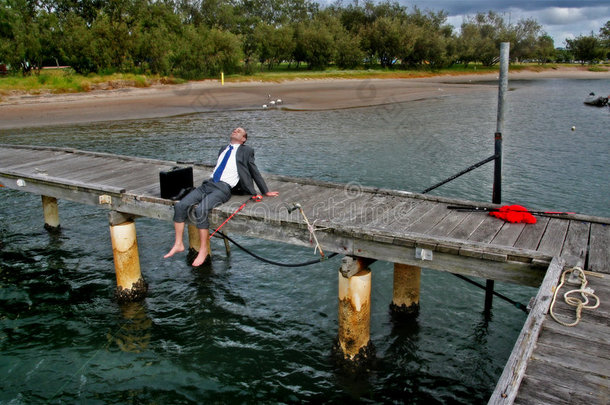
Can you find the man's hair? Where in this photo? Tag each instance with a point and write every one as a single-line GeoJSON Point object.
{"type": "Point", "coordinates": [245, 134]}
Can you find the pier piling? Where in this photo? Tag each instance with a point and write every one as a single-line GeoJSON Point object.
{"type": "Point", "coordinates": [407, 281]}
{"type": "Point", "coordinates": [51, 213]}
{"type": "Point", "coordinates": [195, 243]}
{"type": "Point", "coordinates": [130, 284]}
{"type": "Point", "coordinates": [354, 342]}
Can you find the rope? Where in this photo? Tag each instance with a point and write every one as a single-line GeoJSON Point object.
{"type": "Point", "coordinates": [268, 261]}
{"type": "Point", "coordinates": [577, 276]}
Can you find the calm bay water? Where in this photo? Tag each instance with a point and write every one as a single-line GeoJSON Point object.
{"type": "Point", "coordinates": [241, 331]}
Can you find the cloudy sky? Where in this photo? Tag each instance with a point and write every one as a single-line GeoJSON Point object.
{"type": "Point", "coordinates": [560, 19]}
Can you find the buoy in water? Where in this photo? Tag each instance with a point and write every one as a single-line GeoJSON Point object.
{"type": "Point", "coordinates": [573, 128]}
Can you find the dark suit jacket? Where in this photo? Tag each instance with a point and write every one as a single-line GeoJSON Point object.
{"type": "Point", "coordinates": [248, 172]}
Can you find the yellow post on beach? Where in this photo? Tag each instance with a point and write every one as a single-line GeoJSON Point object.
{"type": "Point", "coordinates": [222, 78]}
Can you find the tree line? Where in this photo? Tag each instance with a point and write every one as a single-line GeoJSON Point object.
{"type": "Point", "coordinates": [200, 38]}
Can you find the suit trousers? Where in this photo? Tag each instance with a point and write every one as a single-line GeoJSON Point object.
{"type": "Point", "coordinates": [197, 205]}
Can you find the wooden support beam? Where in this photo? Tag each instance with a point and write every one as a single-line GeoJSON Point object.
{"type": "Point", "coordinates": [354, 342]}
{"type": "Point", "coordinates": [51, 213]}
{"type": "Point", "coordinates": [130, 284]}
{"type": "Point", "coordinates": [407, 282]}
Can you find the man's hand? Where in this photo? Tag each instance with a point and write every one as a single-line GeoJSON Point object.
{"type": "Point", "coordinates": [272, 193]}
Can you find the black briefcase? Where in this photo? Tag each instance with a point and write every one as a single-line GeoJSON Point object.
{"type": "Point", "coordinates": [175, 181]}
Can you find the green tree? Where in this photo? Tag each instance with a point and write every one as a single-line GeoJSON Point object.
{"type": "Point", "coordinates": [20, 42]}
{"type": "Point", "coordinates": [481, 37]}
{"type": "Point", "coordinates": [76, 44]}
{"type": "Point", "coordinates": [314, 43]}
{"type": "Point", "coordinates": [586, 49]}
{"type": "Point", "coordinates": [205, 52]}
{"type": "Point", "coordinates": [604, 35]}
{"type": "Point", "coordinates": [348, 54]}
{"type": "Point", "coordinates": [524, 39]}
{"type": "Point", "coordinates": [382, 40]}
{"type": "Point", "coordinates": [274, 45]}
{"type": "Point", "coordinates": [428, 40]}
{"type": "Point", "coordinates": [155, 36]}
{"type": "Point", "coordinates": [545, 49]}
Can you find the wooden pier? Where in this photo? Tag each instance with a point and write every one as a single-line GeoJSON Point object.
{"type": "Point", "coordinates": [364, 224]}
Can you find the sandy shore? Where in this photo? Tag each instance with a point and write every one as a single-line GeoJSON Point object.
{"type": "Point", "coordinates": [170, 100]}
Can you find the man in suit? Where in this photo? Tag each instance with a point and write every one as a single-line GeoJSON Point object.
{"type": "Point", "coordinates": [235, 171]}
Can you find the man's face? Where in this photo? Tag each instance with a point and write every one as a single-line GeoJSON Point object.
{"type": "Point", "coordinates": [238, 136]}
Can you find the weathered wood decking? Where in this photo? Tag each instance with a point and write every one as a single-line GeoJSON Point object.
{"type": "Point", "coordinates": [556, 364]}
{"type": "Point", "coordinates": [379, 224]}
{"type": "Point", "coordinates": [360, 221]}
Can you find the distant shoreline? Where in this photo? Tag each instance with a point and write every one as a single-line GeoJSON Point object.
{"type": "Point", "coordinates": [158, 101]}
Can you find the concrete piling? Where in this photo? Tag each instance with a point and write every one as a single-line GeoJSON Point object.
{"type": "Point", "coordinates": [51, 213]}
{"type": "Point", "coordinates": [407, 281]}
{"type": "Point", "coordinates": [194, 235]}
{"type": "Point", "coordinates": [130, 284]}
{"type": "Point", "coordinates": [354, 338]}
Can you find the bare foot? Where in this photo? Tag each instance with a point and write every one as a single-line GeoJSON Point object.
{"type": "Point", "coordinates": [200, 258]}
{"type": "Point", "coordinates": [175, 249]}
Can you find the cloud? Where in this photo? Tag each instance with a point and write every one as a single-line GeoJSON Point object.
{"type": "Point", "coordinates": [463, 7]}
{"type": "Point", "coordinates": [560, 19]}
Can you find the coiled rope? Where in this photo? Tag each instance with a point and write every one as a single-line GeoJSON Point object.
{"type": "Point", "coordinates": [273, 262]}
{"type": "Point", "coordinates": [577, 276]}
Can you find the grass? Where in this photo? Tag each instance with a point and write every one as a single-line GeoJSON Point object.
{"type": "Point", "coordinates": [57, 81]}
{"type": "Point", "coordinates": [286, 72]}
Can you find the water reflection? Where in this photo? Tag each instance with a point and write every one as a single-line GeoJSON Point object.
{"type": "Point", "coordinates": [134, 333]}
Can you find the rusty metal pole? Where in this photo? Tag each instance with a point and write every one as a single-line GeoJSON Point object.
{"type": "Point", "coordinates": [407, 281]}
{"type": "Point", "coordinates": [51, 213]}
{"type": "Point", "coordinates": [130, 284]}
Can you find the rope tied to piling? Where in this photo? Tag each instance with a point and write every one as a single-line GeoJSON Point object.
{"type": "Point", "coordinates": [576, 276]}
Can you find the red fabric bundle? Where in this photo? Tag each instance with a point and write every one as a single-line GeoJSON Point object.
{"type": "Point", "coordinates": [515, 214]}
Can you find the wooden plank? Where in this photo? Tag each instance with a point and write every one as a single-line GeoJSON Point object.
{"type": "Point", "coordinates": [412, 215]}
{"type": "Point", "coordinates": [532, 233]}
{"type": "Point", "coordinates": [599, 249]}
{"type": "Point", "coordinates": [80, 166]}
{"type": "Point", "coordinates": [588, 336]}
{"type": "Point", "coordinates": [468, 226]}
{"type": "Point", "coordinates": [554, 235]}
{"type": "Point", "coordinates": [10, 157]}
{"type": "Point", "coordinates": [508, 234]}
{"type": "Point", "coordinates": [371, 208]}
{"type": "Point", "coordinates": [448, 223]}
{"type": "Point", "coordinates": [116, 174]}
{"type": "Point", "coordinates": [152, 188]}
{"type": "Point", "coordinates": [575, 246]}
{"type": "Point", "coordinates": [560, 388]}
{"type": "Point", "coordinates": [571, 360]}
{"type": "Point", "coordinates": [20, 162]}
{"type": "Point", "coordinates": [334, 208]}
{"type": "Point", "coordinates": [486, 230]}
{"type": "Point", "coordinates": [402, 207]}
{"type": "Point", "coordinates": [140, 180]}
{"type": "Point", "coordinates": [507, 387]}
{"type": "Point", "coordinates": [34, 166]}
{"type": "Point", "coordinates": [428, 220]}
{"type": "Point", "coordinates": [99, 171]}
{"type": "Point", "coordinates": [63, 164]}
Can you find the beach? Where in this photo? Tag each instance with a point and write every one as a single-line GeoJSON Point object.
{"type": "Point", "coordinates": [24, 110]}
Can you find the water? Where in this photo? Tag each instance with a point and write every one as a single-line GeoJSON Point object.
{"type": "Point", "coordinates": [241, 331]}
